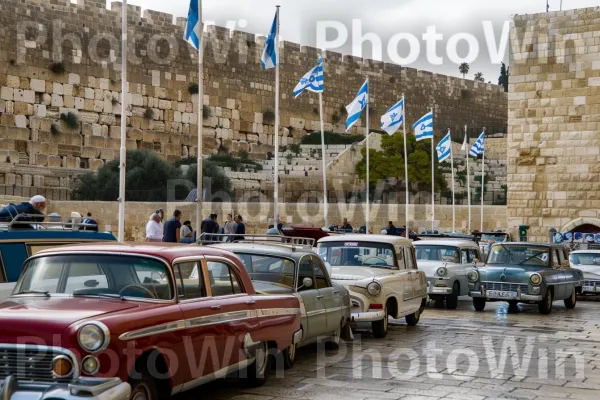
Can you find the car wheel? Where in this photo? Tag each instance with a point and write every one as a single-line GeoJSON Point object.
{"type": "Point", "coordinates": [545, 306]}
{"type": "Point", "coordinates": [257, 371]}
{"type": "Point", "coordinates": [571, 302]}
{"type": "Point", "coordinates": [334, 340]}
{"type": "Point", "coordinates": [289, 356]}
{"type": "Point", "coordinates": [380, 328]}
{"type": "Point", "coordinates": [452, 299]}
{"type": "Point", "coordinates": [413, 319]}
{"type": "Point", "coordinates": [143, 388]}
{"type": "Point", "coordinates": [513, 306]}
{"type": "Point", "coordinates": [479, 303]}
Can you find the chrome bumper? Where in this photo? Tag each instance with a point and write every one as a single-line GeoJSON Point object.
{"type": "Point", "coordinates": [518, 297]}
{"type": "Point", "coordinates": [590, 289]}
{"type": "Point", "coordinates": [82, 389]}
{"type": "Point", "coordinates": [369, 316]}
{"type": "Point", "coordinates": [297, 336]}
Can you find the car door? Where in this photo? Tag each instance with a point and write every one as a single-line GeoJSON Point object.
{"type": "Point", "coordinates": [559, 274]}
{"type": "Point", "coordinates": [330, 296]}
{"type": "Point", "coordinates": [14, 255]}
{"type": "Point", "coordinates": [401, 284]}
{"type": "Point", "coordinates": [316, 314]}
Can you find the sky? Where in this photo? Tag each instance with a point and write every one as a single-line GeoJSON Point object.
{"type": "Point", "coordinates": [385, 19]}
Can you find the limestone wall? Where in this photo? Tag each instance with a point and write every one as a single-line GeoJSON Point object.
{"type": "Point", "coordinates": [38, 37]}
{"type": "Point", "coordinates": [554, 120]}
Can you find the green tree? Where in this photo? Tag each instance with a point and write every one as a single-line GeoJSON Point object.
{"type": "Point", "coordinates": [214, 176]}
{"type": "Point", "coordinates": [464, 69]}
{"type": "Point", "coordinates": [479, 77]}
{"type": "Point", "coordinates": [504, 74]}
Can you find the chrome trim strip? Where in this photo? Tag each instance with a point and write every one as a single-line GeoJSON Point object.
{"type": "Point", "coordinates": [211, 377]}
{"type": "Point", "coordinates": [277, 312]}
{"type": "Point", "coordinates": [317, 312]}
{"type": "Point", "coordinates": [153, 330]}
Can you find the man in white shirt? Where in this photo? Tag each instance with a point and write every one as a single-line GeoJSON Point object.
{"type": "Point", "coordinates": [154, 229]}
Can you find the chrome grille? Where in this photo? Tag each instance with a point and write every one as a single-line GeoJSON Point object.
{"type": "Point", "coordinates": [505, 287]}
{"type": "Point", "coordinates": [591, 283]}
{"type": "Point", "coordinates": [357, 305]}
{"type": "Point", "coordinates": [29, 363]}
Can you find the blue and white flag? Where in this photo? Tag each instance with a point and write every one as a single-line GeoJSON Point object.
{"type": "Point", "coordinates": [313, 81]}
{"type": "Point", "coordinates": [193, 29]}
{"type": "Point", "coordinates": [269, 57]}
{"type": "Point", "coordinates": [478, 147]}
{"type": "Point", "coordinates": [424, 127]}
{"type": "Point", "coordinates": [357, 106]}
{"type": "Point", "coordinates": [394, 118]}
{"type": "Point", "coordinates": [444, 148]}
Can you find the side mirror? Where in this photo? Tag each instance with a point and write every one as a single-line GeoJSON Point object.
{"type": "Point", "coordinates": [307, 283]}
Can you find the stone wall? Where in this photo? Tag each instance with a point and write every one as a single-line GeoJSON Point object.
{"type": "Point", "coordinates": [38, 38]}
{"type": "Point", "coordinates": [554, 120]}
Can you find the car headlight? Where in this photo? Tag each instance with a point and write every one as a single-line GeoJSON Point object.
{"type": "Point", "coordinates": [374, 288]}
{"type": "Point", "coordinates": [93, 337]}
{"type": "Point", "coordinates": [473, 276]}
{"type": "Point", "coordinates": [90, 365]}
{"type": "Point", "coordinates": [535, 279]}
{"type": "Point", "coordinates": [442, 271]}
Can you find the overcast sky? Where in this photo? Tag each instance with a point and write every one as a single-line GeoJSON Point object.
{"type": "Point", "coordinates": [385, 18]}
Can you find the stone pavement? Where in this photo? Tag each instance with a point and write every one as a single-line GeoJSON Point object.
{"type": "Point", "coordinates": [450, 355]}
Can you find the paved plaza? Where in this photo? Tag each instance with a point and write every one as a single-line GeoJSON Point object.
{"type": "Point", "coordinates": [449, 355]}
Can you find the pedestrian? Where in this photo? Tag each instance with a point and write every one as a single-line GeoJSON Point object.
{"type": "Point", "coordinates": [208, 228]}
{"type": "Point", "coordinates": [90, 223]}
{"type": "Point", "coordinates": [391, 228]}
{"type": "Point", "coordinates": [172, 233]}
{"type": "Point", "coordinates": [154, 229]}
{"type": "Point", "coordinates": [187, 232]}
{"type": "Point", "coordinates": [161, 213]}
{"type": "Point", "coordinates": [346, 227]}
{"type": "Point", "coordinates": [241, 228]}
{"type": "Point", "coordinates": [33, 211]}
{"type": "Point", "coordinates": [228, 228]}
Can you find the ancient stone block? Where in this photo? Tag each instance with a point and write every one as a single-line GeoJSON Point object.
{"type": "Point", "coordinates": [54, 161]}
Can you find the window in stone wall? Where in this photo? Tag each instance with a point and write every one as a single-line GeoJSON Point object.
{"type": "Point", "coordinates": [84, 163]}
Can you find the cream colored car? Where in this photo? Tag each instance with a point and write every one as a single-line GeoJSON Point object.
{"type": "Point", "coordinates": [381, 274]}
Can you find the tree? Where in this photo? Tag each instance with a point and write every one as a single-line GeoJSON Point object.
{"type": "Point", "coordinates": [214, 177]}
{"type": "Point", "coordinates": [504, 74]}
{"type": "Point", "coordinates": [479, 77]}
{"type": "Point", "coordinates": [464, 69]}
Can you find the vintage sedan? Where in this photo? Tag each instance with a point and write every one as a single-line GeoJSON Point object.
{"type": "Point", "coordinates": [164, 319]}
{"type": "Point", "coordinates": [587, 261]}
{"type": "Point", "coordinates": [292, 269]}
{"type": "Point", "coordinates": [526, 273]}
{"type": "Point", "coordinates": [382, 276]}
{"type": "Point", "coordinates": [446, 263]}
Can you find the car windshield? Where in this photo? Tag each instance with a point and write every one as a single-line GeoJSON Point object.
{"type": "Point", "coordinates": [522, 255]}
{"type": "Point", "coordinates": [367, 254]}
{"type": "Point", "coordinates": [272, 269]}
{"type": "Point", "coordinates": [437, 253]}
{"type": "Point", "coordinates": [96, 275]}
{"type": "Point", "coordinates": [585, 259]}
{"type": "Point", "coordinates": [493, 238]}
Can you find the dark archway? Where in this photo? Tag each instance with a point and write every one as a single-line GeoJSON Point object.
{"type": "Point", "coordinates": [586, 228]}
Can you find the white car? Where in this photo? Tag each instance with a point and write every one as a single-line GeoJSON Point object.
{"type": "Point", "coordinates": [381, 274]}
{"type": "Point", "coordinates": [587, 261]}
{"type": "Point", "coordinates": [446, 263]}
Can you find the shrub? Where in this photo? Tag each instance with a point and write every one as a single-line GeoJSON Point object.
{"type": "Point", "coordinates": [392, 79]}
{"type": "Point", "coordinates": [296, 149]}
{"type": "Point", "coordinates": [114, 101]}
{"type": "Point", "coordinates": [335, 118]}
{"type": "Point", "coordinates": [269, 117]}
{"type": "Point", "coordinates": [193, 88]}
{"type": "Point", "coordinates": [269, 155]}
{"type": "Point", "coordinates": [289, 158]}
{"type": "Point", "coordinates": [70, 119]}
{"type": "Point", "coordinates": [54, 130]}
{"type": "Point", "coordinates": [58, 68]}
{"type": "Point", "coordinates": [149, 113]}
{"type": "Point", "coordinates": [331, 138]}
{"type": "Point", "coordinates": [206, 113]}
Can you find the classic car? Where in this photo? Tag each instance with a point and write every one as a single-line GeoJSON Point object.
{"type": "Point", "coordinates": [162, 318]}
{"type": "Point", "coordinates": [18, 241]}
{"type": "Point", "coordinates": [293, 269]}
{"type": "Point", "coordinates": [587, 261]}
{"type": "Point", "coordinates": [382, 276]}
{"type": "Point", "coordinates": [526, 273]}
{"type": "Point", "coordinates": [445, 263]}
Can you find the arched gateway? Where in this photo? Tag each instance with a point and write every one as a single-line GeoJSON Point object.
{"type": "Point", "coordinates": [583, 225]}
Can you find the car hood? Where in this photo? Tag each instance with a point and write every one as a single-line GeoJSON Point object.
{"type": "Point", "coordinates": [349, 276]}
{"type": "Point", "coordinates": [430, 267]}
{"type": "Point", "coordinates": [263, 287]}
{"type": "Point", "coordinates": [589, 271]}
{"type": "Point", "coordinates": [512, 273]}
{"type": "Point", "coordinates": [45, 317]}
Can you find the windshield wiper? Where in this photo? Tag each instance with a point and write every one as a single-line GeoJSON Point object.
{"type": "Point", "coordinates": [44, 292]}
{"type": "Point", "coordinates": [104, 295]}
{"type": "Point", "coordinates": [533, 256]}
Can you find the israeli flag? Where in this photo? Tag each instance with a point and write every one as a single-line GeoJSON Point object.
{"type": "Point", "coordinates": [269, 57]}
{"type": "Point", "coordinates": [193, 29]}
{"type": "Point", "coordinates": [478, 147]}
{"type": "Point", "coordinates": [444, 148]}
{"type": "Point", "coordinates": [313, 81]}
{"type": "Point", "coordinates": [357, 106]}
{"type": "Point", "coordinates": [424, 127]}
{"type": "Point", "coordinates": [394, 118]}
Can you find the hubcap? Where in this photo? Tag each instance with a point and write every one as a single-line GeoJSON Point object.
{"type": "Point", "coordinates": [140, 393]}
{"type": "Point", "coordinates": [261, 360]}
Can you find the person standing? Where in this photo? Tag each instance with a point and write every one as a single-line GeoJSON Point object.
{"type": "Point", "coordinates": [154, 229]}
{"type": "Point", "coordinates": [228, 228]}
{"type": "Point", "coordinates": [187, 232]}
{"type": "Point", "coordinates": [346, 227]}
{"type": "Point", "coordinates": [391, 230]}
{"type": "Point", "coordinates": [241, 228]}
{"type": "Point", "coordinates": [173, 228]}
{"type": "Point", "coordinates": [208, 228]}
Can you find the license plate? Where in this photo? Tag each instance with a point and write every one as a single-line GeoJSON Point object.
{"type": "Point", "coordinates": [501, 294]}
{"type": "Point", "coordinates": [588, 289]}
{"type": "Point", "coordinates": [438, 290]}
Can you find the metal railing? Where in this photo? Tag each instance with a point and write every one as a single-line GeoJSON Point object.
{"type": "Point", "coordinates": [32, 222]}
{"type": "Point", "coordinates": [271, 240]}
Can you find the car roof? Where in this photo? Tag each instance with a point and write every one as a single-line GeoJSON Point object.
{"type": "Point", "coordinates": [272, 250]}
{"type": "Point", "coordinates": [447, 242]}
{"type": "Point", "coordinates": [585, 251]}
{"type": "Point", "coordinates": [393, 240]}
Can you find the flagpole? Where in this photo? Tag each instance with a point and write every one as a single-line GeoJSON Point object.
{"type": "Point", "coordinates": [199, 184]}
{"type": "Point", "coordinates": [405, 169]}
{"type": "Point", "coordinates": [276, 139]}
{"type": "Point", "coordinates": [123, 149]}
{"type": "Point", "coordinates": [482, 181]}
{"type": "Point", "coordinates": [453, 202]}
{"type": "Point", "coordinates": [468, 176]}
{"type": "Point", "coordinates": [432, 180]}
{"type": "Point", "coordinates": [368, 175]}
{"type": "Point", "coordinates": [325, 204]}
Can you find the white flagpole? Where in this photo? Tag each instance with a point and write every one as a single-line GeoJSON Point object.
{"type": "Point", "coordinates": [482, 181]}
{"type": "Point", "coordinates": [453, 202]}
{"type": "Point", "coordinates": [367, 133]}
{"type": "Point", "coordinates": [405, 168]}
{"type": "Point", "coordinates": [276, 139]}
{"type": "Point", "coordinates": [123, 149]}
{"type": "Point", "coordinates": [432, 180]}
{"type": "Point", "coordinates": [325, 204]}
{"type": "Point", "coordinates": [199, 184]}
{"type": "Point", "coordinates": [468, 178]}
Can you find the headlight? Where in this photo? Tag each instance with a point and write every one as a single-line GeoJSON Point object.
{"type": "Point", "coordinates": [374, 288]}
{"type": "Point", "coordinates": [93, 337]}
{"type": "Point", "coordinates": [442, 271]}
{"type": "Point", "coordinates": [90, 365]}
{"type": "Point", "coordinates": [535, 279]}
{"type": "Point", "coordinates": [473, 276]}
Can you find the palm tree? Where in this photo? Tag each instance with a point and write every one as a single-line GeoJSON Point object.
{"type": "Point", "coordinates": [464, 69]}
{"type": "Point", "coordinates": [479, 77]}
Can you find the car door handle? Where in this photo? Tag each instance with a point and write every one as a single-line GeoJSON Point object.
{"type": "Point", "coordinates": [217, 307]}
{"type": "Point", "coordinates": [320, 297]}
{"type": "Point", "coordinates": [336, 292]}
{"type": "Point", "coordinates": [251, 302]}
